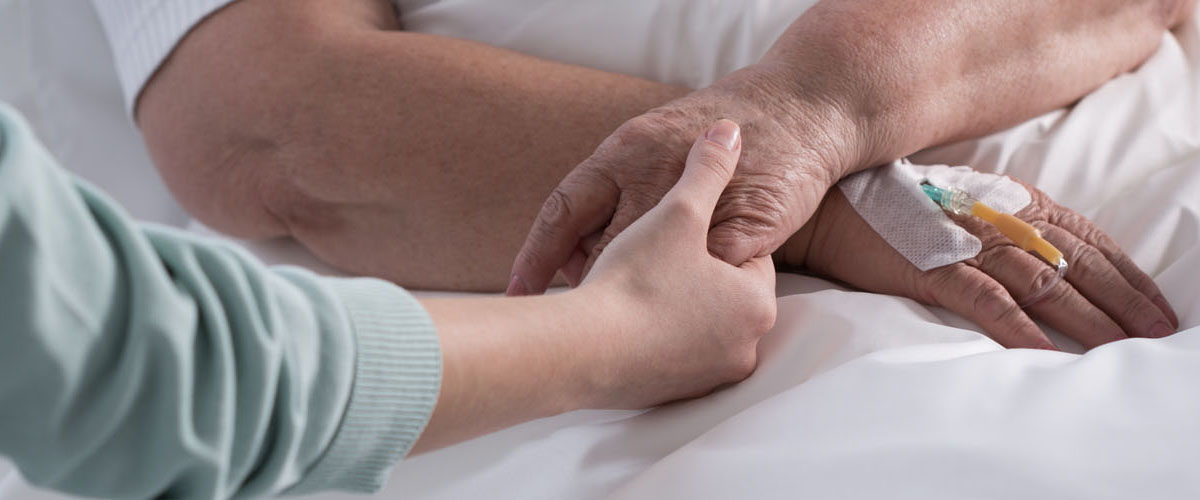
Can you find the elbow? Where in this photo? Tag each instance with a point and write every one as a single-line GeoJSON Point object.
{"type": "Point", "coordinates": [251, 186]}
{"type": "Point", "coordinates": [230, 121]}
{"type": "Point", "coordinates": [222, 178]}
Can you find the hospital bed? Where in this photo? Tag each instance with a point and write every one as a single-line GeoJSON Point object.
{"type": "Point", "coordinates": [858, 395]}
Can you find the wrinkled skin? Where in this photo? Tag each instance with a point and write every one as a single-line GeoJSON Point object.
{"type": "Point", "coordinates": [692, 321]}
{"type": "Point", "coordinates": [780, 180]}
{"type": "Point", "coordinates": [1104, 296]}
{"type": "Point", "coordinates": [658, 319]}
{"type": "Point", "coordinates": [857, 83]}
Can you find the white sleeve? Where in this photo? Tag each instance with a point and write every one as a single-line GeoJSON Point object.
{"type": "Point", "coordinates": [142, 34]}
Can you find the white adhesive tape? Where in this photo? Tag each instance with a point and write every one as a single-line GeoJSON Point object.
{"type": "Point", "coordinates": [892, 202]}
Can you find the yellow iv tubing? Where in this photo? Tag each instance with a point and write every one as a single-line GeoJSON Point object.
{"type": "Point", "coordinates": [1026, 237]}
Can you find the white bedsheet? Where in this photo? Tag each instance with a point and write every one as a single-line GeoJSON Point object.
{"type": "Point", "coordinates": [867, 396]}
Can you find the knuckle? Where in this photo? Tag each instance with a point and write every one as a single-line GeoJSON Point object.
{"type": "Point", "coordinates": [1088, 261]}
{"type": "Point", "coordinates": [1005, 252]}
{"type": "Point", "coordinates": [739, 235]}
{"type": "Point", "coordinates": [1089, 233]}
{"type": "Point", "coordinates": [633, 132]}
{"type": "Point", "coordinates": [1046, 276]}
{"type": "Point", "coordinates": [1062, 217]}
{"type": "Point", "coordinates": [763, 188]}
{"type": "Point", "coordinates": [556, 210]}
{"type": "Point", "coordinates": [761, 315]}
{"type": "Point", "coordinates": [647, 186]}
{"type": "Point", "coordinates": [643, 125]}
{"type": "Point", "coordinates": [1040, 205]}
{"type": "Point", "coordinates": [742, 364]}
{"type": "Point", "coordinates": [1041, 225]}
{"type": "Point", "coordinates": [1059, 296]}
{"type": "Point", "coordinates": [752, 209]}
{"type": "Point", "coordinates": [935, 283]}
{"type": "Point", "coordinates": [994, 303]}
{"type": "Point", "coordinates": [740, 228]}
{"type": "Point", "coordinates": [636, 201]}
{"type": "Point", "coordinates": [1105, 243]}
{"type": "Point", "coordinates": [656, 130]}
{"type": "Point", "coordinates": [683, 209]}
{"type": "Point", "coordinates": [994, 257]}
{"type": "Point", "coordinates": [989, 255]}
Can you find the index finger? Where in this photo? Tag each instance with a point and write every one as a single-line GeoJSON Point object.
{"type": "Point", "coordinates": [581, 204]}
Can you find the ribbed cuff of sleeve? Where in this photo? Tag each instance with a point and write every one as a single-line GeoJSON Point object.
{"type": "Point", "coordinates": [397, 378]}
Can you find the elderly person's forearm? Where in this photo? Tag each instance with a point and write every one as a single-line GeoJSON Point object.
{"type": "Point", "coordinates": [914, 74]}
{"type": "Point", "coordinates": [374, 147]}
{"type": "Point", "coordinates": [851, 84]}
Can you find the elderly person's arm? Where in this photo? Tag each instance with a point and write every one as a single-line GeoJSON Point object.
{"type": "Point", "coordinates": [851, 84]}
{"type": "Point", "coordinates": [321, 120]}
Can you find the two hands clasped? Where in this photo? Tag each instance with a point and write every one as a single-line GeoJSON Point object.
{"type": "Point", "coordinates": [669, 240]}
{"type": "Point", "coordinates": [696, 319]}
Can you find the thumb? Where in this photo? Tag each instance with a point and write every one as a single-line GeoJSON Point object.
{"type": "Point", "coordinates": [710, 165]}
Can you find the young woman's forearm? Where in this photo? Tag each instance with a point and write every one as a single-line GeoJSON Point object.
{"type": "Point", "coordinates": [413, 157]}
{"type": "Point", "coordinates": [915, 74]}
{"type": "Point", "coordinates": [143, 362]}
{"type": "Point", "coordinates": [659, 319]}
{"type": "Point", "coordinates": [508, 361]}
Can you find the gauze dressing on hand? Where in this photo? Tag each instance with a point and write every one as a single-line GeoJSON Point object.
{"type": "Point", "coordinates": [892, 202]}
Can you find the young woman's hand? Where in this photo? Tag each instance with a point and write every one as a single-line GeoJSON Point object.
{"type": "Point", "coordinates": [658, 319]}
{"type": "Point", "coordinates": [1103, 297]}
{"type": "Point", "coordinates": [690, 321]}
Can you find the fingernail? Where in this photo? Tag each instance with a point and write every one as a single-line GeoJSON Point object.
{"type": "Point", "coordinates": [1160, 330]}
{"type": "Point", "coordinates": [516, 287]}
{"type": "Point", "coordinates": [1162, 304]}
{"type": "Point", "coordinates": [726, 133]}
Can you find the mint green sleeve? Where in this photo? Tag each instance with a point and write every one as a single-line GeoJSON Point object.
{"type": "Point", "coordinates": [140, 362]}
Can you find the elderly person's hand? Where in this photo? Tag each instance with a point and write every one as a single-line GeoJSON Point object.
{"type": "Point", "coordinates": [793, 152]}
{"type": "Point", "coordinates": [1104, 296]}
{"type": "Point", "coordinates": [658, 319]}
{"type": "Point", "coordinates": [696, 320]}
{"type": "Point", "coordinates": [851, 84]}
